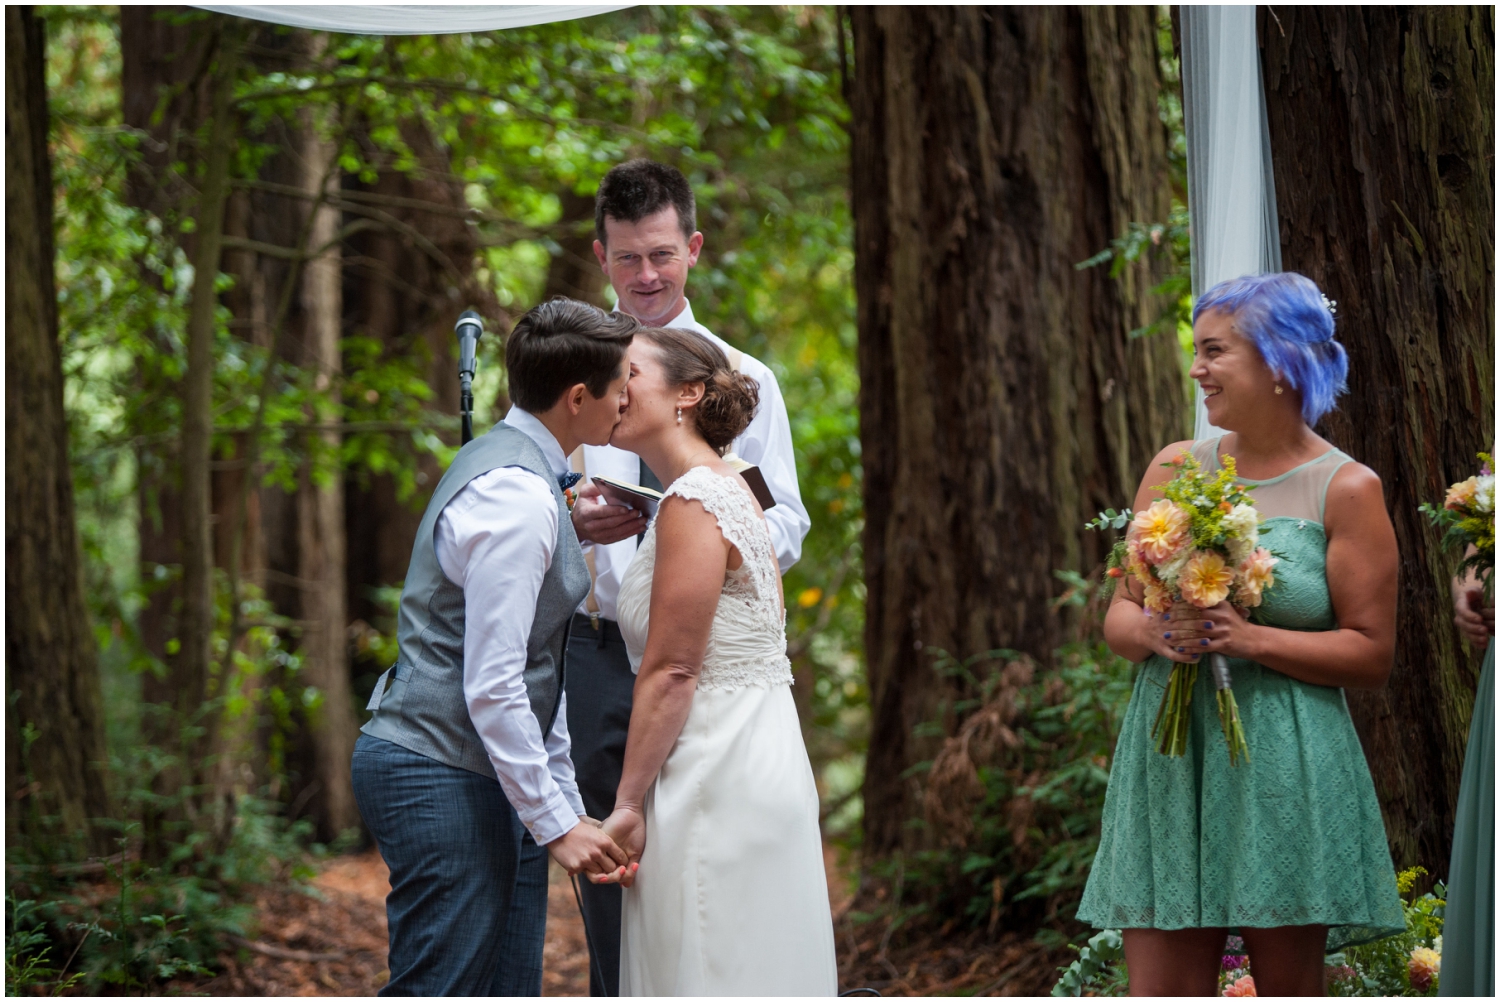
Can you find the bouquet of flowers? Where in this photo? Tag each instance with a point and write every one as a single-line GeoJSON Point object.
{"type": "Point", "coordinates": [1194, 548]}
{"type": "Point", "coordinates": [1468, 516]}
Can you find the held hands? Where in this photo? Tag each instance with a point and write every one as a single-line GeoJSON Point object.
{"type": "Point", "coordinates": [1474, 617]}
{"type": "Point", "coordinates": [587, 849]}
{"type": "Point", "coordinates": [596, 521]}
{"type": "Point", "coordinates": [627, 826]}
{"type": "Point", "coordinates": [1221, 629]}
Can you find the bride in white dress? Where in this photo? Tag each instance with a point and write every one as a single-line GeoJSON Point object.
{"type": "Point", "coordinates": [717, 801]}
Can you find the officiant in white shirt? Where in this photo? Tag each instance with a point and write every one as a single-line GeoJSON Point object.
{"type": "Point", "coordinates": [645, 225]}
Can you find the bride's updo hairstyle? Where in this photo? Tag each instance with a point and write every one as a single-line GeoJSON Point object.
{"type": "Point", "coordinates": [729, 397]}
{"type": "Point", "coordinates": [1291, 323]}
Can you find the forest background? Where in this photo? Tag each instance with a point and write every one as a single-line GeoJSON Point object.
{"type": "Point", "coordinates": [263, 239]}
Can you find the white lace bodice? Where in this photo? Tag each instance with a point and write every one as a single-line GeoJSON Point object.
{"type": "Point", "coordinates": [748, 643]}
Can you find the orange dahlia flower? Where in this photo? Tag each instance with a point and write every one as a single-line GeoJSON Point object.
{"type": "Point", "coordinates": [1162, 530]}
{"type": "Point", "coordinates": [1206, 579]}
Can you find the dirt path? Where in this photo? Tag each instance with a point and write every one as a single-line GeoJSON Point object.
{"type": "Point", "coordinates": [337, 945]}
{"type": "Point", "coordinates": [334, 943]}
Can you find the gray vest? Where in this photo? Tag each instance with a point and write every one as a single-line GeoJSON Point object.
{"type": "Point", "coordinates": [424, 710]}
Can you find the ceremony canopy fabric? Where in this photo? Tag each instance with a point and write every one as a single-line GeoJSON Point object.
{"type": "Point", "coordinates": [391, 19]}
{"type": "Point", "coordinates": [1231, 191]}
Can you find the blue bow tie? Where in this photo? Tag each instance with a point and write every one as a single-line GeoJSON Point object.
{"type": "Point", "coordinates": [566, 480]}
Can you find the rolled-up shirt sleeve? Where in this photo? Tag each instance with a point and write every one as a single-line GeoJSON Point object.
{"type": "Point", "coordinates": [495, 540]}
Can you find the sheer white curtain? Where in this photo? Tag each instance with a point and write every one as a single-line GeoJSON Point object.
{"type": "Point", "coordinates": [1231, 192]}
{"type": "Point", "coordinates": [386, 19]}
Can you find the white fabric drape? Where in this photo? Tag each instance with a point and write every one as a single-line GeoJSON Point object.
{"type": "Point", "coordinates": [1231, 192]}
{"type": "Point", "coordinates": [387, 19]}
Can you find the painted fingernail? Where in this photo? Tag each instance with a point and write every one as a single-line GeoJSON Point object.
{"type": "Point", "coordinates": [1179, 650]}
{"type": "Point", "coordinates": [1166, 636]}
{"type": "Point", "coordinates": [1203, 642]}
{"type": "Point", "coordinates": [1208, 626]}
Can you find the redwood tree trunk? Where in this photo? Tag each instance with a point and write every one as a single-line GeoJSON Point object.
{"type": "Point", "coordinates": [320, 498]}
{"type": "Point", "coordinates": [1383, 138]}
{"type": "Point", "coordinates": [1002, 400]}
{"type": "Point", "coordinates": [55, 719]}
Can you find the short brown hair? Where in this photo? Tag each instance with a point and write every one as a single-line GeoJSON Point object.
{"type": "Point", "coordinates": [561, 343]}
{"type": "Point", "coordinates": [638, 188]}
{"type": "Point", "coordinates": [729, 397]}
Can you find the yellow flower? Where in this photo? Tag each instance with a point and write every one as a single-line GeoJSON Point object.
{"type": "Point", "coordinates": [1162, 530]}
{"type": "Point", "coordinates": [1254, 576]}
{"type": "Point", "coordinates": [1423, 967]}
{"type": "Point", "coordinates": [1461, 494]}
{"type": "Point", "coordinates": [810, 597]}
{"type": "Point", "coordinates": [1158, 598]}
{"type": "Point", "coordinates": [1205, 580]}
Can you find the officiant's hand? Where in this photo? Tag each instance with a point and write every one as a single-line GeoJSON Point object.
{"type": "Point", "coordinates": [597, 522]}
{"type": "Point", "coordinates": [587, 849]}
{"type": "Point", "coordinates": [627, 826]}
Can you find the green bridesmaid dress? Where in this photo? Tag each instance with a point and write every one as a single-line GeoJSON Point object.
{"type": "Point", "coordinates": [1291, 837]}
{"type": "Point", "coordinates": [1469, 919]}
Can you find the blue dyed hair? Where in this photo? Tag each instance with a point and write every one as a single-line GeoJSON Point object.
{"type": "Point", "coordinates": [1285, 315]}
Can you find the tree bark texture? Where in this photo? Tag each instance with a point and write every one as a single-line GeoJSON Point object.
{"type": "Point", "coordinates": [1003, 401]}
{"type": "Point", "coordinates": [55, 718]}
{"type": "Point", "coordinates": [1382, 137]}
{"type": "Point", "coordinates": [320, 498]}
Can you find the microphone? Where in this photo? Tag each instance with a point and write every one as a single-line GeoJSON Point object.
{"type": "Point", "coordinates": [470, 328]}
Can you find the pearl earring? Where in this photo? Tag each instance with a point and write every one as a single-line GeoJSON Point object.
{"type": "Point", "coordinates": [1278, 389]}
{"type": "Point", "coordinates": [679, 410]}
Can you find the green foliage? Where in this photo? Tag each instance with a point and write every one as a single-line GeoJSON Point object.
{"type": "Point", "coordinates": [1099, 969]}
{"type": "Point", "coordinates": [1014, 799]}
{"type": "Point", "coordinates": [135, 927]}
{"type": "Point", "coordinates": [1390, 966]}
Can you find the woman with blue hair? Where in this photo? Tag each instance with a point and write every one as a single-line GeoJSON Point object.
{"type": "Point", "coordinates": [1287, 848]}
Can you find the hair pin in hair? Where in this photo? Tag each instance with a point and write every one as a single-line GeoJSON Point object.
{"type": "Point", "coordinates": [1331, 305]}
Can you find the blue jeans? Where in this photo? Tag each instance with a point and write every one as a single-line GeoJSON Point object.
{"type": "Point", "coordinates": [467, 911]}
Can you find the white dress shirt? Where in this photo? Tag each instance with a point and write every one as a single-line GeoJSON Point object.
{"type": "Point", "coordinates": [766, 443]}
{"type": "Point", "coordinates": [495, 539]}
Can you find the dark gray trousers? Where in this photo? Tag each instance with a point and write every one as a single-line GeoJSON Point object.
{"type": "Point", "coordinates": [600, 684]}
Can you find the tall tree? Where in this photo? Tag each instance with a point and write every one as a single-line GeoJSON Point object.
{"type": "Point", "coordinates": [195, 658]}
{"type": "Point", "coordinates": [320, 512]}
{"type": "Point", "coordinates": [1382, 124]}
{"type": "Point", "coordinates": [1002, 399]}
{"type": "Point", "coordinates": [55, 718]}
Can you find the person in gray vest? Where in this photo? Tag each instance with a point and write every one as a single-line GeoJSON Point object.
{"type": "Point", "coordinates": [463, 775]}
{"type": "Point", "coordinates": [645, 225]}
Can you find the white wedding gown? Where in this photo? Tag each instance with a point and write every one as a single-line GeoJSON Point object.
{"type": "Point", "coordinates": [731, 897]}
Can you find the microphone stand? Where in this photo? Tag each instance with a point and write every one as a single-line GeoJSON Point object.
{"type": "Point", "coordinates": [470, 328]}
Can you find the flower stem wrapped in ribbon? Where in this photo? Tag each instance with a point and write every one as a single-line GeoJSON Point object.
{"type": "Point", "coordinates": [1194, 548]}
